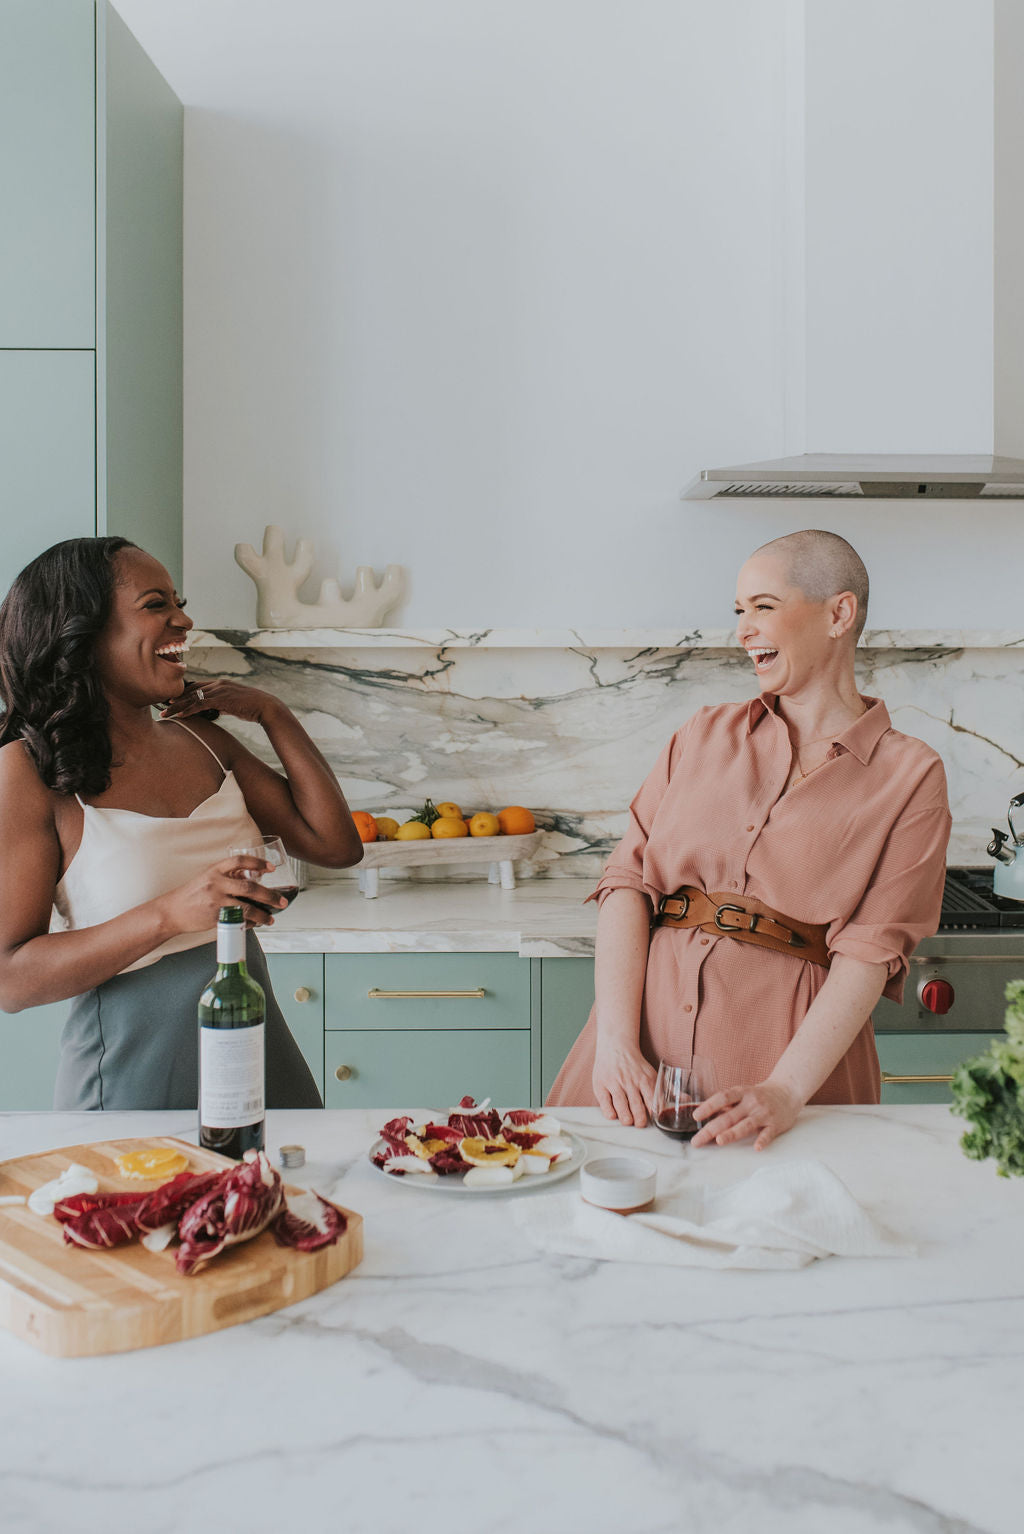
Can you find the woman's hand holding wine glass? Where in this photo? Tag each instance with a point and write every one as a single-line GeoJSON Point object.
{"type": "Point", "coordinates": [193, 907]}
{"type": "Point", "coordinates": [280, 882]}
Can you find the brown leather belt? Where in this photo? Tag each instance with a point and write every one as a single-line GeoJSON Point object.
{"type": "Point", "coordinates": [743, 917]}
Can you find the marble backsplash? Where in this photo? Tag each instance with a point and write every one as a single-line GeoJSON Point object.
{"type": "Point", "coordinates": [570, 730]}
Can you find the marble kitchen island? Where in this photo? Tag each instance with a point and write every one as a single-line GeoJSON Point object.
{"type": "Point", "coordinates": [461, 1375]}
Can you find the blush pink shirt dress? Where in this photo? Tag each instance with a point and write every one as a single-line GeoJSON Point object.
{"type": "Point", "coordinates": [859, 845]}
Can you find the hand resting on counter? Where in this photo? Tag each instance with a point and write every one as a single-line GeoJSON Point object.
{"type": "Point", "coordinates": [766, 1109]}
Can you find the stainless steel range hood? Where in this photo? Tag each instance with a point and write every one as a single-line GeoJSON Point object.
{"type": "Point", "coordinates": [947, 476]}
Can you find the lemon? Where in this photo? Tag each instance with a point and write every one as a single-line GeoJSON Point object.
{"type": "Point", "coordinates": [488, 1152]}
{"type": "Point", "coordinates": [484, 824]}
{"type": "Point", "coordinates": [386, 828]}
{"type": "Point", "coordinates": [448, 808]}
{"type": "Point", "coordinates": [448, 825]}
{"type": "Point", "coordinates": [413, 831]}
{"type": "Point", "coordinates": [156, 1164]}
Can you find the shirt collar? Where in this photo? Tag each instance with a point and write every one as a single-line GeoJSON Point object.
{"type": "Point", "coordinates": [859, 738]}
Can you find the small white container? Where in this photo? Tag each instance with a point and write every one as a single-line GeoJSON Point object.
{"type": "Point", "coordinates": [623, 1184]}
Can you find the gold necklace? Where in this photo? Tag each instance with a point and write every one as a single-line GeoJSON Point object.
{"type": "Point", "coordinates": [801, 774]}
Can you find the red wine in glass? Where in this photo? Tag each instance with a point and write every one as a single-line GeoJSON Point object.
{"type": "Point", "coordinates": [680, 1088]}
{"type": "Point", "coordinates": [289, 891]}
{"type": "Point", "coordinates": [678, 1121]}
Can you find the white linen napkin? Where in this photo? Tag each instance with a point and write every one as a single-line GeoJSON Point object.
{"type": "Point", "coordinates": [781, 1216]}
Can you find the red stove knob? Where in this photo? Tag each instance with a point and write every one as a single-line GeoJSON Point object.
{"type": "Point", "coordinates": [936, 995]}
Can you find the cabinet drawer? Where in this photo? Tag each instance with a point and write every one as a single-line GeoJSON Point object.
{"type": "Point", "coordinates": [353, 983]}
{"type": "Point", "coordinates": [929, 1054]}
{"type": "Point", "coordinates": [298, 981]}
{"type": "Point", "coordinates": [399, 1069]}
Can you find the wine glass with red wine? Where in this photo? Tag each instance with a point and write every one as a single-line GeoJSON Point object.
{"type": "Point", "coordinates": [681, 1086]}
{"type": "Point", "coordinates": [281, 876]}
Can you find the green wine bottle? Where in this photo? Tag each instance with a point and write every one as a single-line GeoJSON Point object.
{"type": "Point", "coordinates": [232, 1074]}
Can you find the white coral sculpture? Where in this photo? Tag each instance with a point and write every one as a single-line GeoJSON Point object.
{"type": "Point", "coordinates": [277, 589]}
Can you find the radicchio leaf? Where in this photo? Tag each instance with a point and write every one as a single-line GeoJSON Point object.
{"type": "Point", "coordinates": [448, 1160]}
{"type": "Point", "coordinates": [394, 1133]}
{"type": "Point", "coordinates": [166, 1204]}
{"type": "Point", "coordinates": [480, 1126]}
{"type": "Point", "coordinates": [308, 1222]}
{"type": "Point", "coordinates": [100, 1220]}
{"type": "Point", "coordinates": [521, 1137]}
{"type": "Point", "coordinates": [240, 1204]}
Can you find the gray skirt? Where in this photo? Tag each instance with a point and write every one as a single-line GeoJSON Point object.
{"type": "Point", "coordinates": [133, 1041]}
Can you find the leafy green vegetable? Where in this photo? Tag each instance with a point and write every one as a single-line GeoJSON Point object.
{"type": "Point", "coordinates": [989, 1092]}
{"type": "Point", "coordinates": [428, 814]}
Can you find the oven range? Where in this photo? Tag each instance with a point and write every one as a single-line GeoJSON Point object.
{"type": "Point", "coordinates": [958, 977]}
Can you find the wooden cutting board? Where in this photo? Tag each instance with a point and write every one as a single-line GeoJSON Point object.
{"type": "Point", "coordinates": [71, 1301]}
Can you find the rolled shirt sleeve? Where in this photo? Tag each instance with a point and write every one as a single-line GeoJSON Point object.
{"type": "Point", "coordinates": [626, 868]}
{"type": "Point", "coordinates": [903, 901]}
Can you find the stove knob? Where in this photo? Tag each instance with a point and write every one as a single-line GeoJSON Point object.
{"type": "Point", "coordinates": [936, 996]}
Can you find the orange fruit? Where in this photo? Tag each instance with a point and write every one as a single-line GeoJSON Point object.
{"type": "Point", "coordinates": [155, 1164]}
{"type": "Point", "coordinates": [449, 825]}
{"type": "Point", "coordinates": [413, 831]}
{"type": "Point", "coordinates": [515, 821]}
{"type": "Point", "coordinates": [386, 828]}
{"type": "Point", "coordinates": [448, 808]}
{"type": "Point", "coordinates": [488, 1152]}
{"type": "Point", "coordinates": [365, 825]}
{"type": "Point", "coordinates": [484, 823]}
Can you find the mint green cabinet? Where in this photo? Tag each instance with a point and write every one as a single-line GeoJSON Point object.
{"type": "Point", "coordinates": [47, 452]}
{"type": "Point", "coordinates": [399, 1068]}
{"type": "Point", "coordinates": [90, 285]}
{"type": "Point", "coordinates": [298, 981]}
{"type": "Point", "coordinates": [48, 174]}
{"type": "Point", "coordinates": [905, 1056]}
{"type": "Point", "coordinates": [566, 997]}
{"type": "Point", "coordinates": [420, 1030]}
{"type": "Point", "coordinates": [29, 1045]}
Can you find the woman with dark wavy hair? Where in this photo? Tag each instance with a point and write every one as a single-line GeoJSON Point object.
{"type": "Point", "coordinates": [115, 826]}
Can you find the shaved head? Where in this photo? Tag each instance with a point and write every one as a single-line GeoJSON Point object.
{"type": "Point", "coordinates": [821, 565]}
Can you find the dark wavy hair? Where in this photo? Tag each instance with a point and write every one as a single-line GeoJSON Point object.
{"type": "Point", "coordinates": [49, 689]}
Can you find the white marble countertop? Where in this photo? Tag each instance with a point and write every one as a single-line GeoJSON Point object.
{"type": "Point", "coordinates": [458, 1375]}
{"type": "Point", "coordinates": [540, 918]}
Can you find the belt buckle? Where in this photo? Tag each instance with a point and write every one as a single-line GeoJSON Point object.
{"type": "Point", "coordinates": [740, 911]}
{"type": "Point", "coordinates": [686, 905]}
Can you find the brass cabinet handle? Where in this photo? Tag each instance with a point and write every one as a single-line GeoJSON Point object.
{"type": "Point", "coordinates": [303, 993]}
{"type": "Point", "coordinates": [898, 1081]}
{"type": "Point", "coordinates": [343, 1073]}
{"type": "Point", "coordinates": [377, 995]}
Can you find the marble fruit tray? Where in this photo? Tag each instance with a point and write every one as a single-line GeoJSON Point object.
{"type": "Point", "coordinates": [498, 852]}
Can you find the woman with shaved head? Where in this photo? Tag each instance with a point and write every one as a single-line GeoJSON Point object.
{"type": "Point", "coordinates": [783, 859]}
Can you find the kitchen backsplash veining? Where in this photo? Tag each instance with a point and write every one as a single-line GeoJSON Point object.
{"type": "Point", "coordinates": [571, 730]}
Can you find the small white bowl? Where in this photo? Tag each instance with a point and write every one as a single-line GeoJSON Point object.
{"type": "Point", "coordinates": [623, 1184]}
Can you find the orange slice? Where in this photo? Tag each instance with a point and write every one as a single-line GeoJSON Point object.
{"type": "Point", "coordinates": [488, 1152]}
{"type": "Point", "coordinates": [157, 1164]}
{"type": "Point", "coordinates": [424, 1148]}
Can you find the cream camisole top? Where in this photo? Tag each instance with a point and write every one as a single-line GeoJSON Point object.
{"type": "Point", "coordinates": [126, 858]}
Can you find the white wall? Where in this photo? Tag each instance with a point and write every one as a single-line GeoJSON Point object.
{"type": "Point", "coordinates": [476, 287]}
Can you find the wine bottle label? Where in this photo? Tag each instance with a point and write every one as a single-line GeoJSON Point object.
{"type": "Point", "coordinates": [231, 1077]}
{"type": "Point", "coordinates": [230, 943]}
